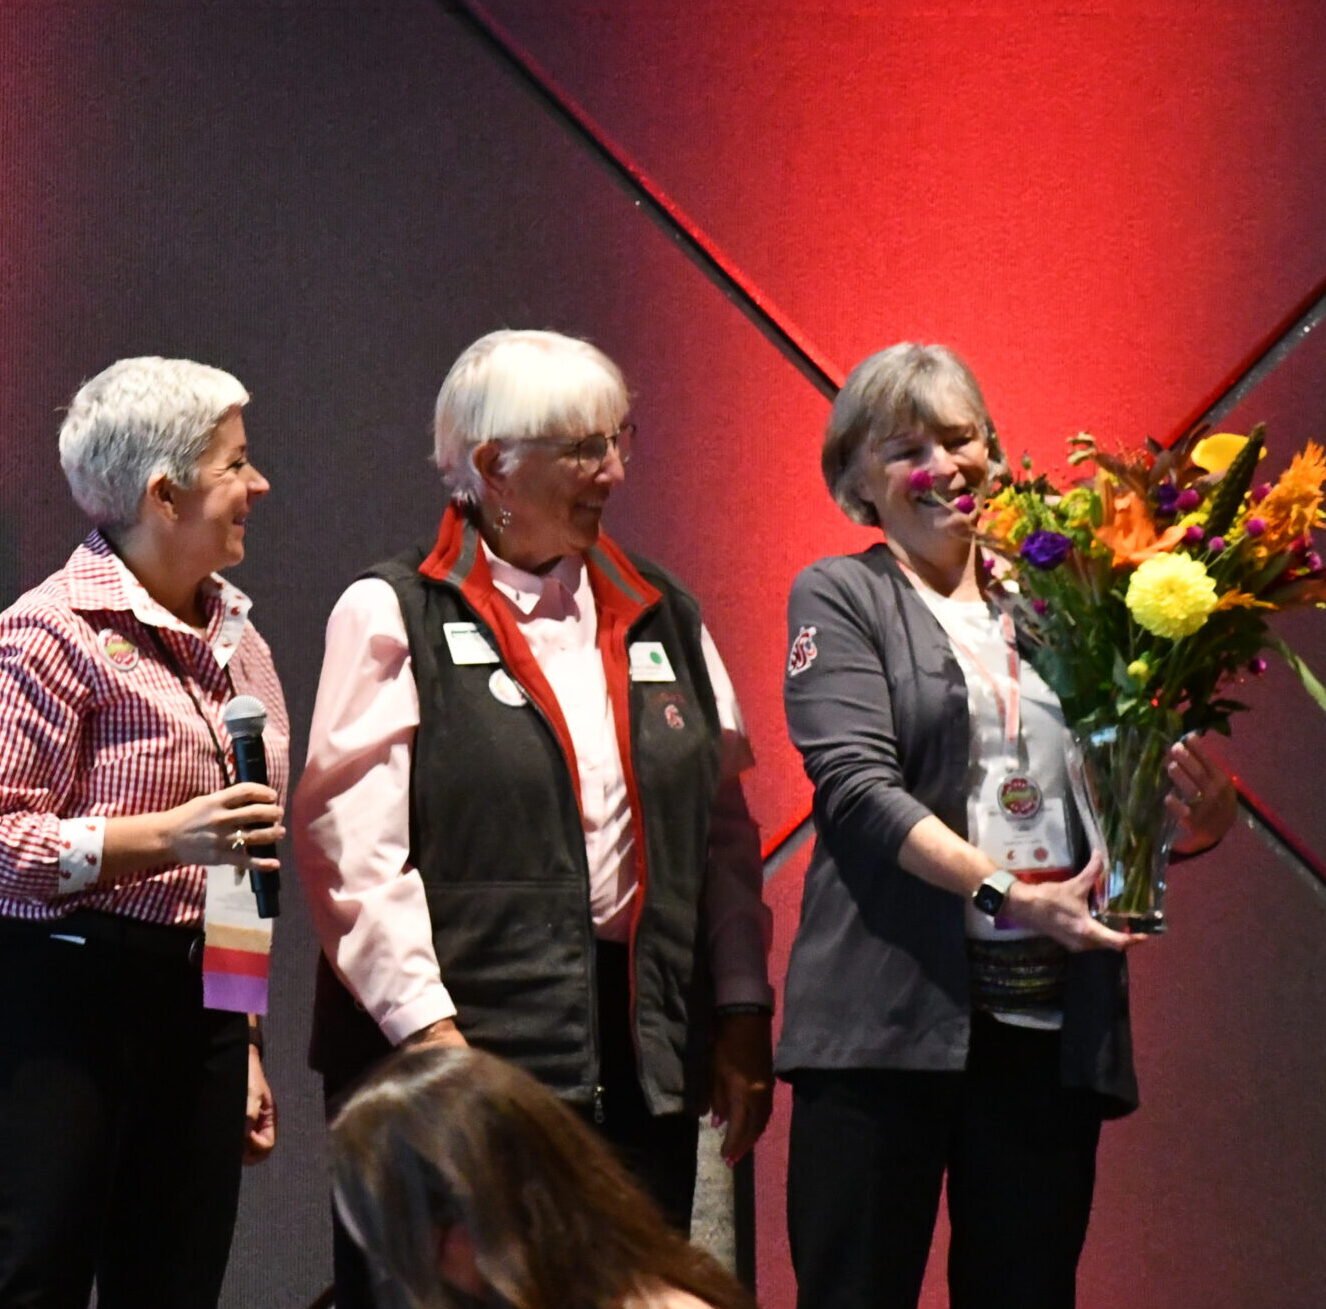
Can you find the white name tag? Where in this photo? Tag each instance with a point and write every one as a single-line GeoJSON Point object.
{"type": "Point", "coordinates": [649, 663]}
{"type": "Point", "coordinates": [468, 645]}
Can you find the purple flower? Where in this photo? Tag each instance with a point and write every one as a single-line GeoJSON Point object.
{"type": "Point", "coordinates": [1216, 544]}
{"type": "Point", "coordinates": [1259, 493]}
{"type": "Point", "coordinates": [921, 481]}
{"type": "Point", "coordinates": [1257, 665]}
{"type": "Point", "coordinates": [987, 565]}
{"type": "Point", "coordinates": [1045, 550]}
{"type": "Point", "coordinates": [1167, 495]}
{"type": "Point", "coordinates": [1255, 526]}
{"type": "Point", "coordinates": [1188, 499]}
{"type": "Point", "coordinates": [965, 503]}
{"type": "Point", "coordinates": [1312, 562]}
{"type": "Point", "coordinates": [1042, 607]}
{"type": "Point", "coordinates": [1193, 536]}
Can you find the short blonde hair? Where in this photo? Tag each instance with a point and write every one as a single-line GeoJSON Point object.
{"type": "Point", "coordinates": [515, 385]}
{"type": "Point", "coordinates": [906, 388]}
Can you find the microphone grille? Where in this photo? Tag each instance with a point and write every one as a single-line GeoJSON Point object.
{"type": "Point", "coordinates": [245, 715]}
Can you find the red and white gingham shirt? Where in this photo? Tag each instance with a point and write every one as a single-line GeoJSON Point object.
{"type": "Point", "coordinates": [95, 723]}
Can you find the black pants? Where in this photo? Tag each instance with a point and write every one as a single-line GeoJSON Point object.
{"type": "Point", "coordinates": [868, 1154]}
{"type": "Point", "coordinates": [658, 1151]}
{"type": "Point", "coordinates": [121, 1124]}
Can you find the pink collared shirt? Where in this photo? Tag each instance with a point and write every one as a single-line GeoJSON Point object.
{"type": "Point", "coordinates": [95, 722]}
{"type": "Point", "coordinates": [351, 810]}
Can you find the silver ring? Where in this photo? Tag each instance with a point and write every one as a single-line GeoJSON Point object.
{"type": "Point", "coordinates": [239, 840]}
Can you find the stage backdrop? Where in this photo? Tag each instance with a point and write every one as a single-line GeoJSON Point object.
{"type": "Point", "coordinates": [1108, 209]}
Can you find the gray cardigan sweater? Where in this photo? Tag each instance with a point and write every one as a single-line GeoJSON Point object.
{"type": "Point", "coordinates": [877, 705]}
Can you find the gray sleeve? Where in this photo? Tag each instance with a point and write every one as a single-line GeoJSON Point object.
{"type": "Point", "coordinates": [840, 716]}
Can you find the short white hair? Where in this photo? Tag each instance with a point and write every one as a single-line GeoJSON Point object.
{"type": "Point", "coordinates": [515, 386]}
{"type": "Point", "coordinates": [137, 418]}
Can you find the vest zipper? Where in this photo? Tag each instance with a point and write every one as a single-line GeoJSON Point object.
{"type": "Point", "coordinates": [594, 1038]}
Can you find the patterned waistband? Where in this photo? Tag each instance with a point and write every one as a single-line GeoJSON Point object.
{"type": "Point", "coordinates": [1015, 976]}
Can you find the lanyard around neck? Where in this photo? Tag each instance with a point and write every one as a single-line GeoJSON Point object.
{"type": "Point", "coordinates": [168, 655]}
{"type": "Point", "coordinates": [1008, 696]}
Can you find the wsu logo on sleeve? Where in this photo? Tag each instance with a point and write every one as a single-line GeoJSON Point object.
{"type": "Point", "coordinates": [804, 651]}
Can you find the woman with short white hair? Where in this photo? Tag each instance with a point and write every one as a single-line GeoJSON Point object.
{"type": "Point", "coordinates": [129, 1091]}
{"type": "Point", "coordinates": [521, 823]}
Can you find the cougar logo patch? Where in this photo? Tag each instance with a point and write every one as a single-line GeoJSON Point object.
{"type": "Point", "coordinates": [804, 651]}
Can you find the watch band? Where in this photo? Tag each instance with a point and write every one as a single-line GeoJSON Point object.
{"type": "Point", "coordinates": [989, 897]}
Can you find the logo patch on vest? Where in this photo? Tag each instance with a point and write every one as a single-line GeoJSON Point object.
{"type": "Point", "coordinates": [119, 651]}
{"type": "Point", "coordinates": [504, 689]}
{"type": "Point", "coordinates": [804, 651]}
{"type": "Point", "coordinates": [672, 716]}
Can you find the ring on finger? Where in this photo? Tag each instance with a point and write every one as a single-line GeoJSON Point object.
{"type": "Point", "coordinates": [239, 840]}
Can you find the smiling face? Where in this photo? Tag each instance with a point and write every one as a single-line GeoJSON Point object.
{"type": "Point", "coordinates": [555, 506]}
{"type": "Point", "coordinates": [211, 515]}
{"type": "Point", "coordinates": [913, 480]}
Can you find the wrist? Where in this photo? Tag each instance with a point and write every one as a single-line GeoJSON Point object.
{"type": "Point", "coordinates": [992, 894]}
{"type": "Point", "coordinates": [441, 1027]}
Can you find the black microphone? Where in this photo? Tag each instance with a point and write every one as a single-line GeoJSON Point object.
{"type": "Point", "coordinates": [245, 717]}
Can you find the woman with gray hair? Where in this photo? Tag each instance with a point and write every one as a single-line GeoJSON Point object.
{"type": "Point", "coordinates": [521, 823]}
{"type": "Point", "coordinates": [953, 1011]}
{"type": "Point", "coordinates": [129, 1091]}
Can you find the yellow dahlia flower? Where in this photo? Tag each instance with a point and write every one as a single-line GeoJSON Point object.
{"type": "Point", "coordinates": [1171, 595]}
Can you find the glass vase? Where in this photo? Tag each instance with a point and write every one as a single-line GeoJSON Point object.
{"type": "Point", "coordinates": [1120, 782]}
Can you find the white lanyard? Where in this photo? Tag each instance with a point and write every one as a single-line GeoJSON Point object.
{"type": "Point", "coordinates": [1008, 697]}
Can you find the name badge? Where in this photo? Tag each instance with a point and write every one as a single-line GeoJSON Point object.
{"type": "Point", "coordinates": [468, 645]}
{"type": "Point", "coordinates": [649, 663]}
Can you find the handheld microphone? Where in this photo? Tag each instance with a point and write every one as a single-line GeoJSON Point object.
{"type": "Point", "coordinates": [245, 717]}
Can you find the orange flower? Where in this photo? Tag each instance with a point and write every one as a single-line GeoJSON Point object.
{"type": "Point", "coordinates": [1293, 507]}
{"type": "Point", "coordinates": [1242, 600]}
{"type": "Point", "coordinates": [1129, 532]}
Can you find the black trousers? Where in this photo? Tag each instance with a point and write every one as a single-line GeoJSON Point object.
{"type": "Point", "coordinates": [868, 1154]}
{"type": "Point", "coordinates": [658, 1151]}
{"type": "Point", "coordinates": [121, 1123]}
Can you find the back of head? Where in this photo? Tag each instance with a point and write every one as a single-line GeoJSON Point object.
{"type": "Point", "coordinates": [137, 418]}
{"type": "Point", "coordinates": [514, 385]}
{"type": "Point", "coordinates": [440, 1136]}
{"type": "Point", "coordinates": [905, 388]}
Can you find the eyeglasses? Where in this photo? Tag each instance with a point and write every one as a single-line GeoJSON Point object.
{"type": "Point", "coordinates": [591, 452]}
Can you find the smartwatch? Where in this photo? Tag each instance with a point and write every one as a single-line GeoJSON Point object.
{"type": "Point", "coordinates": [989, 897]}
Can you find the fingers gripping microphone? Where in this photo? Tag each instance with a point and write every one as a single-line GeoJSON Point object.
{"type": "Point", "coordinates": [245, 717]}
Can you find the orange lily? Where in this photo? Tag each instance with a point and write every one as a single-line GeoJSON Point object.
{"type": "Point", "coordinates": [1129, 533]}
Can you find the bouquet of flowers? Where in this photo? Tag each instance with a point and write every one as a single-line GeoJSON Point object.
{"type": "Point", "coordinates": [1144, 593]}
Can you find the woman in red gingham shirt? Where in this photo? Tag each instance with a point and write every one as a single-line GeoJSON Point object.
{"type": "Point", "coordinates": [123, 1114]}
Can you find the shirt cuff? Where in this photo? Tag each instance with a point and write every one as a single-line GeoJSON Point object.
{"type": "Point", "coordinates": [435, 1005]}
{"type": "Point", "coordinates": [743, 990]}
{"type": "Point", "coordinates": [81, 844]}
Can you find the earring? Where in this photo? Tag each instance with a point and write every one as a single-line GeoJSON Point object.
{"type": "Point", "coordinates": [503, 520]}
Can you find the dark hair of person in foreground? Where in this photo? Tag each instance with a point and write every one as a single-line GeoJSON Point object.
{"type": "Point", "coordinates": [467, 1182]}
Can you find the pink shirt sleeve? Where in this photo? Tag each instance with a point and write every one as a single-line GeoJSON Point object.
{"type": "Point", "coordinates": [351, 817]}
{"type": "Point", "coordinates": [740, 924]}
